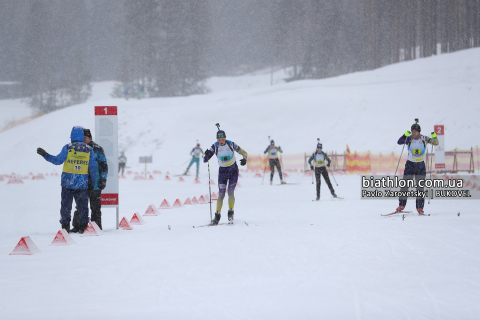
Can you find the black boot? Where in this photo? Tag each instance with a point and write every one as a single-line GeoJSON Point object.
{"type": "Point", "coordinates": [230, 215]}
{"type": "Point", "coordinates": [66, 226]}
{"type": "Point", "coordinates": [216, 219]}
{"type": "Point", "coordinates": [318, 198]}
{"type": "Point", "coordinates": [82, 227]}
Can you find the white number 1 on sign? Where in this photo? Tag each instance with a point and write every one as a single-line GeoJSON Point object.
{"type": "Point", "coordinates": [105, 110]}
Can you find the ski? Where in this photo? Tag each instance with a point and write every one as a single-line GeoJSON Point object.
{"type": "Point", "coordinates": [423, 214]}
{"type": "Point", "coordinates": [181, 175]}
{"type": "Point", "coordinates": [285, 184]}
{"type": "Point", "coordinates": [213, 225]}
{"type": "Point", "coordinates": [340, 198]}
{"type": "Point", "coordinates": [394, 213]}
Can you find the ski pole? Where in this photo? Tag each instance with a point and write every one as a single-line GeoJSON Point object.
{"type": "Point", "coordinates": [210, 190]}
{"type": "Point", "coordinates": [265, 169]}
{"type": "Point", "coordinates": [283, 169]}
{"type": "Point", "coordinates": [400, 156]}
{"type": "Point", "coordinates": [334, 179]}
{"type": "Point", "coordinates": [431, 159]}
{"type": "Point", "coordinates": [313, 173]}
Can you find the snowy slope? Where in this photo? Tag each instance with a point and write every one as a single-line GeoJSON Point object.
{"type": "Point", "coordinates": [17, 109]}
{"type": "Point", "coordinates": [366, 110]}
{"type": "Point", "coordinates": [296, 259]}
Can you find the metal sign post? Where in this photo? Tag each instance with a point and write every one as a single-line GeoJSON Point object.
{"type": "Point", "coordinates": [106, 135]}
{"type": "Point", "coordinates": [440, 149]}
{"type": "Point", "coordinates": [145, 160]}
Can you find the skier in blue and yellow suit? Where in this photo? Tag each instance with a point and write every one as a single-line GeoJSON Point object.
{"type": "Point", "coordinates": [78, 163]}
{"type": "Point", "coordinates": [228, 173]}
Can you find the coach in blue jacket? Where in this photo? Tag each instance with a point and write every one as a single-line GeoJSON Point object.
{"type": "Point", "coordinates": [94, 189]}
{"type": "Point", "coordinates": [79, 163]}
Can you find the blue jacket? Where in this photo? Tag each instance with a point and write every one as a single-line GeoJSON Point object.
{"type": "Point", "coordinates": [72, 180]}
{"type": "Point", "coordinates": [102, 171]}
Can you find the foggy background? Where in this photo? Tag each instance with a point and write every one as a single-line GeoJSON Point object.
{"type": "Point", "coordinates": [51, 50]}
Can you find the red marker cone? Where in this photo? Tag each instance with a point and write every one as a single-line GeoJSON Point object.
{"type": "Point", "coordinates": [151, 211]}
{"type": "Point", "coordinates": [137, 219]}
{"type": "Point", "coordinates": [125, 225]}
{"type": "Point", "coordinates": [62, 239]}
{"type": "Point", "coordinates": [25, 247]}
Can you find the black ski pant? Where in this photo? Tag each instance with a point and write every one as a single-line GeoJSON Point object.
{"type": "Point", "coordinates": [322, 171]}
{"type": "Point", "coordinates": [275, 163]}
{"type": "Point", "coordinates": [121, 166]}
{"type": "Point", "coordinates": [95, 197]}
{"type": "Point", "coordinates": [414, 170]}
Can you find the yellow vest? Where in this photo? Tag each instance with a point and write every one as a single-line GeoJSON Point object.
{"type": "Point", "coordinates": [77, 161]}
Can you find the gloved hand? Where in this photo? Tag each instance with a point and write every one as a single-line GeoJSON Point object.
{"type": "Point", "coordinates": [407, 133]}
{"type": "Point", "coordinates": [243, 161]}
{"type": "Point", "coordinates": [102, 184]}
{"type": "Point", "coordinates": [328, 165]}
{"type": "Point", "coordinates": [434, 135]}
{"type": "Point", "coordinates": [41, 152]}
{"type": "Point", "coordinates": [208, 153]}
{"type": "Point", "coordinates": [311, 167]}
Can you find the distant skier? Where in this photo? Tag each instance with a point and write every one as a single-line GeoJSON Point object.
{"type": "Point", "coordinates": [140, 91]}
{"type": "Point", "coordinates": [127, 92]}
{"type": "Point", "coordinates": [78, 163]}
{"type": "Point", "coordinates": [94, 190]}
{"type": "Point", "coordinates": [228, 172]}
{"type": "Point", "coordinates": [122, 162]}
{"type": "Point", "coordinates": [415, 165]}
{"type": "Point", "coordinates": [196, 153]}
{"type": "Point", "coordinates": [274, 161]}
{"type": "Point", "coordinates": [319, 157]}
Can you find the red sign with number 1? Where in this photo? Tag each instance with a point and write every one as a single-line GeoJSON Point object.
{"type": "Point", "coordinates": [105, 111]}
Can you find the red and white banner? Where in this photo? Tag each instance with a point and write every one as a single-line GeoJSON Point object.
{"type": "Point", "coordinates": [440, 149]}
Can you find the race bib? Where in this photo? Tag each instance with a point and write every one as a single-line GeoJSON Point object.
{"type": "Point", "coordinates": [225, 158]}
{"type": "Point", "coordinates": [319, 161]}
{"type": "Point", "coordinates": [417, 151]}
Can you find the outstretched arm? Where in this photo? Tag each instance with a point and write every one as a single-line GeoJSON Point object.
{"type": "Point", "coordinates": [266, 150]}
{"type": "Point", "coordinates": [240, 150]}
{"type": "Point", "coordinates": [59, 159]}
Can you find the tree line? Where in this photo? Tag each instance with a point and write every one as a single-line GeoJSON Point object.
{"type": "Point", "coordinates": [56, 48]}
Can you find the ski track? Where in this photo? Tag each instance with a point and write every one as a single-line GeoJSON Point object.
{"type": "Point", "coordinates": [338, 259]}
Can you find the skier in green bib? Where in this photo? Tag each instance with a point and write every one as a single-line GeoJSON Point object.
{"type": "Point", "coordinates": [319, 157]}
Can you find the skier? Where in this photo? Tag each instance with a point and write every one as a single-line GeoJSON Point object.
{"type": "Point", "coordinates": [319, 158]}
{"type": "Point", "coordinates": [127, 92]}
{"type": "Point", "coordinates": [195, 153]}
{"type": "Point", "coordinates": [415, 165]}
{"type": "Point", "coordinates": [122, 162]}
{"type": "Point", "coordinates": [94, 190]}
{"type": "Point", "coordinates": [228, 172]}
{"type": "Point", "coordinates": [140, 91]}
{"type": "Point", "coordinates": [78, 163]}
{"type": "Point", "coordinates": [274, 161]}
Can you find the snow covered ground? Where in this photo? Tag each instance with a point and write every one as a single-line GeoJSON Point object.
{"type": "Point", "coordinates": [296, 259]}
